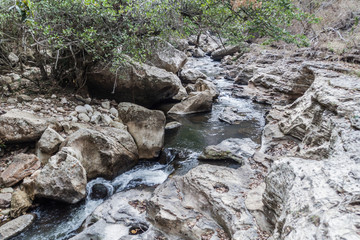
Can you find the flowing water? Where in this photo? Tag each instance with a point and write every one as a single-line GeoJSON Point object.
{"type": "Point", "coordinates": [57, 221]}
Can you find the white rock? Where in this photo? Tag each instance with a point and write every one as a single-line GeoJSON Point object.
{"type": "Point", "coordinates": [106, 119]}
{"type": "Point", "coordinates": [80, 109]}
{"type": "Point", "coordinates": [114, 112]}
{"type": "Point", "coordinates": [88, 108]}
{"type": "Point", "coordinates": [83, 117]}
{"type": "Point", "coordinates": [63, 100]}
{"type": "Point", "coordinates": [106, 104]}
{"type": "Point", "coordinates": [53, 96]}
{"type": "Point", "coordinates": [13, 58]}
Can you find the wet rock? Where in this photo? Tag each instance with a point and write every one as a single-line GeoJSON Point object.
{"type": "Point", "coordinates": [195, 103]}
{"type": "Point", "coordinates": [172, 125]}
{"type": "Point", "coordinates": [48, 144]}
{"type": "Point", "coordinates": [16, 226]}
{"type": "Point", "coordinates": [5, 200]}
{"type": "Point", "coordinates": [19, 126]}
{"type": "Point", "coordinates": [138, 83]}
{"type": "Point", "coordinates": [99, 191]}
{"type": "Point", "coordinates": [203, 202]}
{"type": "Point", "coordinates": [105, 152]}
{"type": "Point", "coordinates": [63, 178]}
{"type": "Point", "coordinates": [22, 165]}
{"type": "Point", "coordinates": [165, 56]}
{"type": "Point", "coordinates": [20, 203]}
{"type": "Point", "coordinates": [237, 149]}
{"type": "Point", "coordinates": [123, 217]}
{"type": "Point", "coordinates": [234, 116]}
{"type": "Point", "coordinates": [198, 53]}
{"type": "Point", "coordinates": [147, 127]}
{"type": "Point", "coordinates": [228, 50]}
{"type": "Point", "coordinates": [189, 75]}
{"type": "Point", "coordinates": [204, 85]}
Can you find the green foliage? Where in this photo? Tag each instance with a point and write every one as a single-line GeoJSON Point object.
{"type": "Point", "coordinates": [81, 32]}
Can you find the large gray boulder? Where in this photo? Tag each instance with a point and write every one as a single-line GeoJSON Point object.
{"type": "Point", "coordinates": [147, 127]}
{"type": "Point", "coordinates": [189, 75]}
{"type": "Point", "coordinates": [19, 126]}
{"type": "Point", "coordinates": [236, 149]}
{"type": "Point", "coordinates": [16, 226]}
{"type": "Point", "coordinates": [63, 178]}
{"type": "Point", "coordinates": [104, 152]}
{"type": "Point", "coordinates": [165, 56]}
{"type": "Point", "coordinates": [203, 203]}
{"type": "Point", "coordinates": [122, 217]}
{"type": "Point", "coordinates": [48, 144]}
{"type": "Point", "coordinates": [196, 102]}
{"type": "Point", "coordinates": [133, 82]}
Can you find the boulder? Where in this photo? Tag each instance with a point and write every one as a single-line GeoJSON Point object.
{"type": "Point", "coordinates": [63, 178]}
{"type": "Point", "coordinates": [198, 53]}
{"type": "Point", "coordinates": [189, 75]}
{"type": "Point", "coordinates": [172, 125]}
{"type": "Point", "coordinates": [134, 82]}
{"type": "Point", "coordinates": [22, 165]}
{"type": "Point", "coordinates": [202, 85]}
{"type": "Point", "coordinates": [165, 56]}
{"type": "Point", "coordinates": [147, 127]}
{"type": "Point", "coordinates": [228, 50]}
{"type": "Point", "coordinates": [5, 200]}
{"type": "Point", "coordinates": [20, 203]}
{"type": "Point", "coordinates": [196, 102]}
{"type": "Point", "coordinates": [236, 149]}
{"type": "Point", "coordinates": [16, 226]}
{"type": "Point", "coordinates": [122, 217]}
{"type": "Point", "coordinates": [48, 145]}
{"type": "Point", "coordinates": [103, 152]}
{"type": "Point", "coordinates": [203, 204]}
{"type": "Point", "coordinates": [233, 115]}
{"type": "Point", "coordinates": [19, 126]}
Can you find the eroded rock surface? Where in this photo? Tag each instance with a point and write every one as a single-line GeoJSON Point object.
{"type": "Point", "coordinates": [204, 203]}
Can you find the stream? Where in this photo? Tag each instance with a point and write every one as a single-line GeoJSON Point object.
{"type": "Point", "coordinates": [57, 221]}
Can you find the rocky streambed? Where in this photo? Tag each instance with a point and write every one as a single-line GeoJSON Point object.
{"type": "Point", "coordinates": [221, 172]}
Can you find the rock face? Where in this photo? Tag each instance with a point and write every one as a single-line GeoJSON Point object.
{"type": "Point", "coordinates": [167, 57]}
{"type": "Point", "coordinates": [205, 204]}
{"type": "Point", "coordinates": [313, 192]}
{"type": "Point", "coordinates": [146, 126]}
{"type": "Point", "coordinates": [138, 83]}
{"type": "Point", "coordinates": [105, 152]}
{"type": "Point", "coordinates": [122, 217]}
{"type": "Point", "coordinates": [236, 149]}
{"type": "Point", "coordinates": [48, 144]}
{"type": "Point", "coordinates": [23, 165]}
{"type": "Point", "coordinates": [19, 126]}
{"type": "Point", "coordinates": [16, 226]}
{"type": "Point", "coordinates": [195, 103]}
{"type": "Point", "coordinates": [63, 178]}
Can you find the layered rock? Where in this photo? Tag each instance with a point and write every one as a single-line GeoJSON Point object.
{"type": "Point", "coordinates": [22, 165]}
{"type": "Point", "coordinates": [147, 127]}
{"type": "Point", "coordinates": [133, 82]}
{"type": "Point", "coordinates": [313, 193]}
{"type": "Point", "coordinates": [20, 126]}
{"type": "Point", "coordinates": [105, 152]}
{"type": "Point", "coordinates": [205, 203]}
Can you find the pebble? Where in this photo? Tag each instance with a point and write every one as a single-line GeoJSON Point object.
{"type": "Point", "coordinates": [106, 104]}
{"type": "Point", "coordinates": [106, 119]}
{"type": "Point", "coordinates": [11, 101]}
{"type": "Point", "coordinates": [63, 100]}
{"type": "Point", "coordinates": [60, 109]}
{"type": "Point", "coordinates": [114, 112]}
{"type": "Point", "coordinates": [80, 109]}
{"type": "Point", "coordinates": [83, 117]}
{"type": "Point", "coordinates": [88, 108]}
{"type": "Point", "coordinates": [53, 96]}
